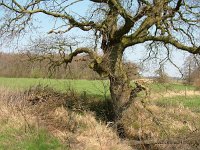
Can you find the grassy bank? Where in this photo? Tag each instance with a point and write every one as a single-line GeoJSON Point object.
{"type": "Point", "coordinates": [46, 119]}
{"type": "Point", "coordinates": [19, 129]}
{"type": "Point", "coordinates": [17, 139]}
{"type": "Point", "coordinates": [48, 124]}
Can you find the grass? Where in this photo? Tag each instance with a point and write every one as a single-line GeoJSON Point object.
{"type": "Point", "coordinates": [158, 87]}
{"type": "Point", "coordinates": [84, 127]}
{"type": "Point", "coordinates": [93, 87]}
{"type": "Point", "coordinates": [48, 125]}
{"type": "Point", "coordinates": [16, 139]}
{"type": "Point", "coordinates": [191, 102]}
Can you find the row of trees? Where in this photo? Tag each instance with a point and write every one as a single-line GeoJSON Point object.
{"type": "Point", "coordinates": [20, 65]}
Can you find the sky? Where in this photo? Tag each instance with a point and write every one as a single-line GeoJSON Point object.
{"type": "Point", "coordinates": [135, 54]}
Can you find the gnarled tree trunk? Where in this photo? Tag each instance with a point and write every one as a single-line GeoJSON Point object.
{"type": "Point", "coordinates": [120, 89]}
{"type": "Point", "coordinates": [122, 93]}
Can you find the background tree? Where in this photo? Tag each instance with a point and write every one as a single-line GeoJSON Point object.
{"type": "Point", "coordinates": [162, 76]}
{"type": "Point", "coordinates": [191, 70]}
{"type": "Point", "coordinates": [117, 25]}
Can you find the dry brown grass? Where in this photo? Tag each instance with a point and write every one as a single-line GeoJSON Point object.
{"type": "Point", "coordinates": [46, 109]}
{"type": "Point", "coordinates": [154, 96]}
{"type": "Point", "coordinates": [148, 122]}
{"type": "Point", "coordinates": [171, 119]}
{"type": "Point", "coordinates": [9, 112]}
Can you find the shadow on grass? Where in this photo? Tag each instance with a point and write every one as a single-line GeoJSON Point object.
{"type": "Point", "coordinates": [100, 105]}
{"type": "Point", "coordinates": [79, 102]}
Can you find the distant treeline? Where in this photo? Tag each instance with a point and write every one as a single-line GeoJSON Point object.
{"type": "Point", "coordinates": [19, 65]}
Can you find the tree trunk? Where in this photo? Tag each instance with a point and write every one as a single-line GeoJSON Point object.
{"type": "Point", "coordinates": [120, 88]}
{"type": "Point", "coordinates": [120, 91]}
{"type": "Point", "coordinates": [122, 94]}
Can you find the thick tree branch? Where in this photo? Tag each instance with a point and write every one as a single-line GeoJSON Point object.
{"type": "Point", "coordinates": [130, 22]}
{"type": "Point", "coordinates": [133, 95]}
{"type": "Point", "coordinates": [174, 42]}
{"type": "Point", "coordinates": [129, 19]}
{"type": "Point", "coordinates": [178, 5]}
{"type": "Point", "coordinates": [163, 39]}
{"type": "Point", "coordinates": [90, 52]}
{"type": "Point", "coordinates": [63, 58]}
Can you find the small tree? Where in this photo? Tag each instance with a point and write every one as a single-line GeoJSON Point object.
{"type": "Point", "coordinates": [132, 70]}
{"type": "Point", "coordinates": [162, 76]}
{"type": "Point", "coordinates": [117, 25]}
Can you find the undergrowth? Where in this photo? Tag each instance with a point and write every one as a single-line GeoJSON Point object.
{"type": "Point", "coordinates": [45, 119]}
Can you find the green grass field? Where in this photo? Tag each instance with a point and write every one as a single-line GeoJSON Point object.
{"type": "Point", "coordinates": [93, 87]}
{"type": "Point", "coordinates": [97, 87]}
{"type": "Point", "coordinates": [191, 102]}
{"type": "Point", "coordinates": [157, 87]}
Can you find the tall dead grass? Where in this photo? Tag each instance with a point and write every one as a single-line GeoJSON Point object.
{"type": "Point", "coordinates": [44, 108]}
{"type": "Point", "coordinates": [162, 127]}
{"type": "Point", "coordinates": [66, 116]}
{"type": "Point", "coordinates": [9, 109]}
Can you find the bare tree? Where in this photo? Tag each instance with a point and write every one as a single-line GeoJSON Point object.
{"type": "Point", "coordinates": [191, 69]}
{"type": "Point", "coordinates": [162, 76]}
{"type": "Point", "coordinates": [117, 25]}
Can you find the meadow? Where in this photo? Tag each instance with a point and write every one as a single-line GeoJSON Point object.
{"type": "Point", "coordinates": [190, 102]}
{"type": "Point", "coordinates": [94, 87]}
{"type": "Point", "coordinates": [100, 88]}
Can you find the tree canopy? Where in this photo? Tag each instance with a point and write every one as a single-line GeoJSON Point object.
{"type": "Point", "coordinates": [174, 22]}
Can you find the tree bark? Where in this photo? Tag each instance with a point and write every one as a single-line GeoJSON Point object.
{"type": "Point", "coordinates": [120, 88]}
{"type": "Point", "coordinates": [122, 93]}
